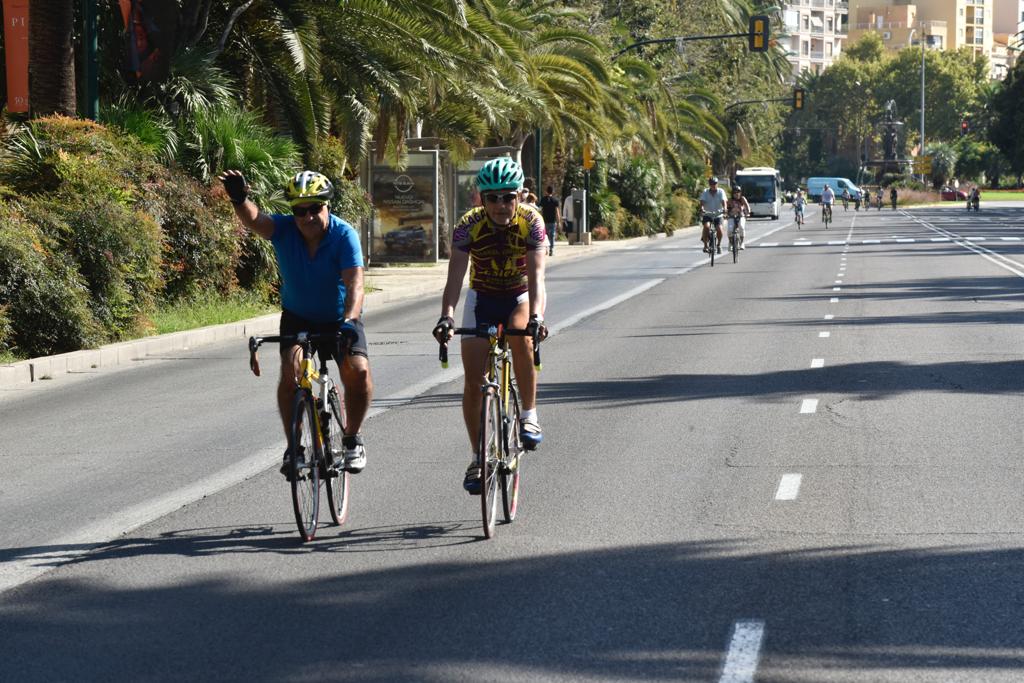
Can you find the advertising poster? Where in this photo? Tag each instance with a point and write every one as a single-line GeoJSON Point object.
{"type": "Point", "coordinates": [406, 204]}
{"type": "Point", "coordinates": [16, 50]}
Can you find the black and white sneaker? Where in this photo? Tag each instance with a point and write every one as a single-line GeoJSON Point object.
{"type": "Point", "coordinates": [355, 453]}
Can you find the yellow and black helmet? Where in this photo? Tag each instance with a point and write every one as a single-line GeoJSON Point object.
{"type": "Point", "coordinates": [307, 187]}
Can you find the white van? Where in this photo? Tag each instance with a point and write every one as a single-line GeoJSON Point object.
{"type": "Point", "coordinates": [816, 185]}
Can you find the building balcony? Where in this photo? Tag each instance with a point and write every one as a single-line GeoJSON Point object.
{"type": "Point", "coordinates": [817, 55]}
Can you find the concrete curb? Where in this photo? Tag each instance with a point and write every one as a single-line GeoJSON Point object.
{"type": "Point", "coordinates": [405, 284]}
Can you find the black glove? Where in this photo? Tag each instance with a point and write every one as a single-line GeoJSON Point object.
{"type": "Point", "coordinates": [236, 187]}
{"type": "Point", "coordinates": [348, 334]}
{"type": "Point", "coordinates": [537, 329]}
{"type": "Point", "coordinates": [444, 330]}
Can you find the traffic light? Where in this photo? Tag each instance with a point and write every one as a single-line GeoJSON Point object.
{"type": "Point", "coordinates": [798, 99]}
{"type": "Point", "coordinates": [965, 127]}
{"type": "Point", "coordinates": [758, 35]}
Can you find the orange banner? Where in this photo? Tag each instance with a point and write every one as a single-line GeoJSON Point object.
{"type": "Point", "coordinates": [16, 51]}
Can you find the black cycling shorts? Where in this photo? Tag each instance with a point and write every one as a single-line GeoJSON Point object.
{"type": "Point", "coordinates": [713, 220]}
{"type": "Point", "coordinates": [490, 309]}
{"type": "Point", "coordinates": [293, 324]}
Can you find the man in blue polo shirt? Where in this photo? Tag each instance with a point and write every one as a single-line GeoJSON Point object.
{"type": "Point", "coordinates": [321, 266]}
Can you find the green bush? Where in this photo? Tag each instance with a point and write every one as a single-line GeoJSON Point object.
{"type": "Point", "coordinates": [117, 251]}
{"type": "Point", "coordinates": [43, 299]}
{"type": "Point", "coordinates": [679, 211]}
{"type": "Point", "coordinates": [634, 226]}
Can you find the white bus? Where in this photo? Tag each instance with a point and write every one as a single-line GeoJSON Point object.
{"type": "Point", "coordinates": [762, 186]}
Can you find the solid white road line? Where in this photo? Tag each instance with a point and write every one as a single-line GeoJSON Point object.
{"type": "Point", "coordinates": [1005, 262]}
{"type": "Point", "coordinates": [789, 487]}
{"type": "Point", "coordinates": [817, 362]}
{"type": "Point", "coordinates": [744, 652]}
{"type": "Point", "coordinates": [808, 406]}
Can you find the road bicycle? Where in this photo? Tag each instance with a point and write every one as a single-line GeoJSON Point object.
{"type": "Point", "coordinates": [315, 459]}
{"type": "Point", "coordinates": [735, 223]}
{"type": "Point", "coordinates": [712, 245]}
{"type": "Point", "coordinates": [499, 447]}
{"type": "Point", "coordinates": [798, 212]}
{"type": "Point", "coordinates": [846, 203]}
{"type": "Point", "coordinates": [826, 214]}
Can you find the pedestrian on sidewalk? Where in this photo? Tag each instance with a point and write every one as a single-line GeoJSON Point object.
{"type": "Point", "coordinates": [551, 210]}
{"type": "Point", "coordinates": [321, 264]}
{"type": "Point", "coordinates": [567, 212]}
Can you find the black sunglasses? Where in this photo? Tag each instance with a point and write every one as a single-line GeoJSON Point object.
{"type": "Point", "coordinates": [504, 198]}
{"type": "Point", "coordinates": [299, 212]}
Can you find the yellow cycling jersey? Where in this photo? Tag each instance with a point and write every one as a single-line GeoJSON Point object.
{"type": "Point", "coordinates": [498, 255]}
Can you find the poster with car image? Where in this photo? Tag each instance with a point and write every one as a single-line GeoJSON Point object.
{"type": "Point", "coordinates": [405, 200]}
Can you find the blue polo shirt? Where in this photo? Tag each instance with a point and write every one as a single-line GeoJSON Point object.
{"type": "Point", "coordinates": [312, 287]}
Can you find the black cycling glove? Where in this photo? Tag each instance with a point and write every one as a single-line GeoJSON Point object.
{"type": "Point", "coordinates": [536, 327]}
{"type": "Point", "coordinates": [236, 187]}
{"type": "Point", "coordinates": [443, 330]}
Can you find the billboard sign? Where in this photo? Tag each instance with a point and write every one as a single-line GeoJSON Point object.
{"type": "Point", "coordinates": [406, 218]}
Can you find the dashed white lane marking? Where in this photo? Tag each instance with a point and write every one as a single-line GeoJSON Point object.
{"type": "Point", "coordinates": [808, 405]}
{"type": "Point", "coordinates": [871, 242]}
{"type": "Point", "coordinates": [802, 244]}
{"type": "Point", "coordinates": [940, 239]}
{"type": "Point", "coordinates": [837, 241]}
{"type": "Point", "coordinates": [839, 282]}
{"type": "Point", "coordinates": [824, 335]}
{"type": "Point", "coordinates": [817, 363]}
{"type": "Point", "coordinates": [834, 300]}
{"type": "Point", "coordinates": [837, 289]}
{"type": "Point", "coordinates": [829, 316]}
{"type": "Point", "coordinates": [1010, 239]}
{"type": "Point", "coordinates": [907, 241]}
{"type": "Point", "coordinates": [976, 239]}
{"type": "Point", "coordinates": [769, 244]}
{"type": "Point", "coordinates": [789, 487]}
{"type": "Point", "coordinates": [744, 652]}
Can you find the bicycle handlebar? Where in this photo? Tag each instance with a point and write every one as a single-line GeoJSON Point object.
{"type": "Point", "coordinates": [301, 339]}
{"type": "Point", "coordinates": [485, 333]}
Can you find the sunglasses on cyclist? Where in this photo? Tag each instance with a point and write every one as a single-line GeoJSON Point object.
{"type": "Point", "coordinates": [299, 211]}
{"type": "Point", "coordinates": [503, 198]}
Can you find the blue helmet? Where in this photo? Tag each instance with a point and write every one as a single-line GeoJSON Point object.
{"type": "Point", "coordinates": [502, 173]}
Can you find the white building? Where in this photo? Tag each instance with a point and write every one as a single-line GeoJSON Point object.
{"type": "Point", "coordinates": [816, 32]}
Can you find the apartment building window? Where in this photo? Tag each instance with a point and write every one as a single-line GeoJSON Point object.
{"type": "Point", "coordinates": [828, 49]}
{"type": "Point", "coordinates": [807, 23]}
{"type": "Point", "coordinates": [805, 48]}
{"type": "Point", "coordinates": [829, 24]}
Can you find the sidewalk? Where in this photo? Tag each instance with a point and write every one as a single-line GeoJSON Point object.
{"type": "Point", "coordinates": [388, 286]}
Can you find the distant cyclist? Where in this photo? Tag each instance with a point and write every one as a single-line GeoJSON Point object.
{"type": "Point", "coordinates": [878, 198]}
{"type": "Point", "coordinates": [828, 198]}
{"type": "Point", "coordinates": [893, 196]}
{"type": "Point", "coordinates": [712, 206]}
{"type": "Point", "coordinates": [974, 200]}
{"type": "Point", "coordinates": [799, 202]}
{"type": "Point", "coordinates": [503, 245]}
{"type": "Point", "coordinates": [321, 265]}
{"type": "Point", "coordinates": [738, 209]}
{"type": "Point", "coordinates": [846, 199]}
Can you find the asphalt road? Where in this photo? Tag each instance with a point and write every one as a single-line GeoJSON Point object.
{"type": "Point", "coordinates": [801, 467]}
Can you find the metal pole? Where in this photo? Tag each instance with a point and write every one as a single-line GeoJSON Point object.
{"type": "Point", "coordinates": [538, 150]}
{"type": "Point", "coordinates": [90, 41]}
{"type": "Point", "coordinates": [922, 97]}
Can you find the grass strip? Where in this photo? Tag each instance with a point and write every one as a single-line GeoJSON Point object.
{"type": "Point", "coordinates": [188, 315]}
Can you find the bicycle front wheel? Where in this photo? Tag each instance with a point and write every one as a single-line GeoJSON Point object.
{"type": "Point", "coordinates": [712, 243]}
{"type": "Point", "coordinates": [304, 461]}
{"type": "Point", "coordinates": [338, 480]}
{"type": "Point", "coordinates": [509, 475]}
{"type": "Point", "coordinates": [735, 240]}
{"type": "Point", "coordinates": [489, 457]}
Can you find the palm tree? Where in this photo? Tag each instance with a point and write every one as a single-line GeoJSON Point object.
{"type": "Point", "coordinates": [52, 58]}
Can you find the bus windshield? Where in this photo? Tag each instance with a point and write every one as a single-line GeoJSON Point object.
{"type": "Point", "coordinates": [758, 189]}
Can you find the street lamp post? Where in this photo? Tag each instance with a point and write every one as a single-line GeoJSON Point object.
{"type": "Point", "coordinates": [922, 95]}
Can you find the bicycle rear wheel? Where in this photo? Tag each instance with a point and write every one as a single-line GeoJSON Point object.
{"type": "Point", "coordinates": [489, 458]}
{"type": "Point", "coordinates": [712, 243]}
{"type": "Point", "coordinates": [509, 475]}
{"type": "Point", "coordinates": [338, 480]}
{"type": "Point", "coordinates": [735, 245]}
{"type": "Point", "coordinates": [304, 460]}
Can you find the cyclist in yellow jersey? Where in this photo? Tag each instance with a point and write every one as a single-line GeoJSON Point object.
{"type": "Point", "coordinates": [503, 244]}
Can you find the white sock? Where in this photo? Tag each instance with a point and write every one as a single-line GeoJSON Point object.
{"type": "Point", "coordinates": [530, 414]}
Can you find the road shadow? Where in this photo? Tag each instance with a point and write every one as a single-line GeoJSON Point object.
{"type": "Point", "coordinates": [648, 612]}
